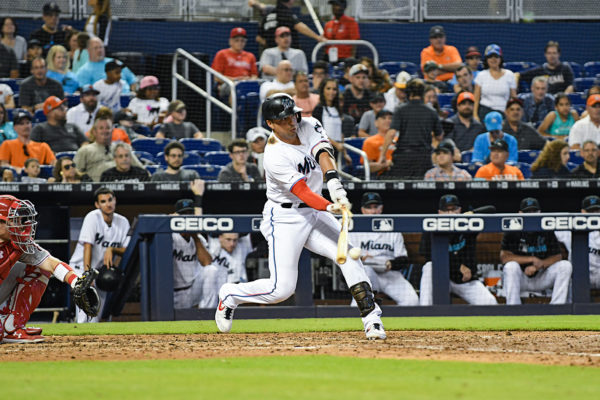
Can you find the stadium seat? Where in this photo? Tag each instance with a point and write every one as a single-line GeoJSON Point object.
{"type": "Point", "coordinates": [358, 143]}
{"type": "Point", "coordinates": [466, 156]}
{"type": "Point", "coordinates": [142, 130]}
{"type": "Point", "coordinates": [134, 60]}
{"type": "Point", "coordinates": [445, 99]}
{"type": "Point", "coordinates": [583, 84]}
{"type": "Point", "coordinates": [39, 116]}
{"type": "Point", "coordinates": [393, 67]}
{"type": "Point", "coordinates": [575, 157]}
{"type": "Point", "coordinates": [571, 165]}
{"type": "Point", "coordinates": [73, 100]}
{"type": "Point", "coordinates": [201, 145]}
{"type": "Point", "coordinates": [69, 154]}
{"type": "Point", "coordinates": [580, 108]}
{"type": "Point", "coordinates": [155, 129]}
{"type": "Point", "coordinates": [592, 68]}
{"type": "Point", "coordinates": [13, 83]}
{"type": "Point", "coordinates": [247, 111]}
{"type": "Point", "coordinates": [528, 156]}
{"type": "Point", "coordinates": [145, 157]}
{"type": "Point", "coordinates": [152, 146]}
{"type": "Point", "coordinates": [46, 171]}
{"type": "Point", "coordinates": [577, 69]}
{"type": "Point", "coordinates": [125, 99]}
{"type": "Point", "coordinates": [245, 87]}
{"type": "Point", "coordinates": [472, 169]}
{"type": "Point", "coordinates": [519, 66]}
{"type": "Point", "coordinates": [525, 169]}
{"type": "Point", "coordinates": [217, 158]}
{"type": "Point", "coordinates": [577, 98]}
{"type": "Point", "coordinates": [206, 172]}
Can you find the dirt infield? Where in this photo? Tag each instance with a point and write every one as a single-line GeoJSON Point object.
{"type": "Point", "coordinates": [549, 348]}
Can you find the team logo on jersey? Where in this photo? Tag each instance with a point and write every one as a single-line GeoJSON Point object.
{"type": "Point", "coordinates": [371, 245]}
{"type": "Point", "coordinates": [512, 224]}
{"type": "Point", "coordinates": [382, 224]}
{"type": "Point", "coordinates": [221, 261]}
{"type": "Point", "coordinates": [318, 128]}
{"type": "Point", "coordinates": [308, 166]}
{"type": "Point", "coordinates": [179, 256]}
{"type": "Point", "coordinates": [99, 240]}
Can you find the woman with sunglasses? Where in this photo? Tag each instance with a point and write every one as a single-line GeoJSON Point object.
{"type": "Point", "coordinates": [149, 107]}
{"type": "Point", "coordinates": [65, 172]}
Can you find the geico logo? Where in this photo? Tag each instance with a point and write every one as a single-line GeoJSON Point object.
{"type": "Point", "coordinates": [201, 224]}
{"type": "Point", "coordinates": [453, 224]}
{"type": "Point", "coordinates": [568, 223]}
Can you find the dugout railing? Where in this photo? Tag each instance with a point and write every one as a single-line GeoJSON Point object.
{"type": "Point", "coordinates": [149, 255]}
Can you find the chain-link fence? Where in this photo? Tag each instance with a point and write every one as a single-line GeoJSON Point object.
{"type": "Point", "coordinates": [530, 10]}
{"type": "Point", "coordinates": [461, 10]}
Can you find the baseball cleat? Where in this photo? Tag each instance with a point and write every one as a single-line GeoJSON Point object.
{"type": "Point", "coordinates": [224, 317]}
{"type": "Point", "coordinates": [375, 331]}
{"type": "Point", "coordinates": [21, 336]}
{"type": "Point", "coordinates": [33, 330]}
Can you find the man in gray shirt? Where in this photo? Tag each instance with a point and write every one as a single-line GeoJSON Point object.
{"type": "Point", "coordinates": [271, 57]}
{"type": "Point", "coordinates": [366, 126]}
{"type": "Point", "coordinates": [56, 131]}
{"type": "Point", "coordinates": [174, 155]}
{"type": "Point", "coordinates": [239, 169]}
{"type": "Point", "coordinates": [178, 128]}
{"type": "Point", "coordinates": [37, 88]}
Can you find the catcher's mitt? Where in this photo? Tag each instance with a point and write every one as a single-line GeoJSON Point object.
{"type": "Point", "coordinates": [84, 295]}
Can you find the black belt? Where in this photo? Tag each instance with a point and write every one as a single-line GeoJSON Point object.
{"type": "Point", "coordinates": [291, 205]}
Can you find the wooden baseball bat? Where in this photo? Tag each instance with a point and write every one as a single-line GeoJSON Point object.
{"type": "Point", "coordinates": [342, 247]}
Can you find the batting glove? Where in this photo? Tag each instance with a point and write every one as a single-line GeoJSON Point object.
{"type": "Point", "coordinates": [336, 191]}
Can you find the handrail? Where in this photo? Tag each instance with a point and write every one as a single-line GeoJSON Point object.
{"type": "Point", "coordinates": [207, 94]}
{"type": "Point", "coordinates": [318, 46]}
{"type": "Point", "coordinates": [365, 159]}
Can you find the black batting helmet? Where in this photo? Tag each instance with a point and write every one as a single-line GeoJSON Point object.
{"type": "Point", "coordinates": [108, 279]}
{"type": "Point", "coordinates": [280, 106]}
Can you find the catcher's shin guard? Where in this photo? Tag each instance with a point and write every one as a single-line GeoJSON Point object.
{"type": "Point", "coordinates": [24, 299]}
{"type": "Point", "coordinates": [363, 295]}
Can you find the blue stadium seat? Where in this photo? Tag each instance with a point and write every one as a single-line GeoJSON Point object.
{"type": "Point", "coordinates": [155, 129]}
{"type": "Point", "coordinates": [466, 156]}
{"type": "Point", "coordinates": [73, 100]}
{"type": "Point", "coordinates": [39, 116]}
{"type": "Point", "coordinates": [519, 66]}
{"type": "Point", "coordinates": [358, 143]}
{"type": "Point", "coordinates": [472, 169]}
{"type": "Point", "coordinates": [152, 146]}
{"type": "Point", "coordinates": [393, 67]}
{"type": "Point", "coordinates": [206, 171]}
{"type": "Point", "coordinates": [217, 158]}
{"type": "Point", "coordinates": [13, 83]}
{"type": "Point", "coordinates": [46, 171]}
{"type": "Point", "coordinates": [525, 169]}
{"type": "Point", "coordinates": [142, 130]}
{"type": "Point", "coordinates": [245, 87]}
{"type": "Point", "coordinates": [145, 157]}
{"type": "Point", "coordinates": [449, 110]}
{"type": "Point", "coordinates": [571, 165]}
{"type": "Point", "coordinates": [592, 68]}
{"type": "Point", "coordinates": [125, 99]}
{"type": "Point", "coordinates": [445, 99]}
{"type": "Point", "coordinates": [575, 157]}
{"type": "Point", "coordinates": [580, 108]}
{"type": "Point", "coordinates": [583, 84]}
{"type": "Point", "coordinates": [247, 112]}
{"type": "Point", "coordinates": [69, 154]}
{"type": "Point", "coordinates": [577, 69]}
{"type": "Point", "coordinates": [202, 145]}
{"type": "Point", "coordinates": [528, 156]}
{"type": "Point", "coordinates": [577, 98]}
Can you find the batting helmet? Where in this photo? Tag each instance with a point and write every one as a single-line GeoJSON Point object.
{"type": "Point", "coordinates": [19, 216]}
{"type": "Point", "coordinates": [108, 279]}
{"type": "Point", "coordinates": [280, 106]}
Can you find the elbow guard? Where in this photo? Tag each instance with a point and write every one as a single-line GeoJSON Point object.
{"type": "Point", "coordinates": [320, 148]}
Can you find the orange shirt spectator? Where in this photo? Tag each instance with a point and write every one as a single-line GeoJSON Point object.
{"type": "Point", "coordinates": [373, 144]}
{"type": "Point", "coordinates": [15, 152]}
{"type": "Point", "coordinates": [491, 172]}
{"type": "Point", "coordinates": [235, 62]}
{"type": "Point", "coordinates": [118, 135]}
{"type": "Point", "coordinates": [342, 28]}
{"type": "Point", "coordinates": [447, 57]}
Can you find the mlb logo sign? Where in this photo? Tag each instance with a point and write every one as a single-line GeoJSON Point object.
{"type": "Point", "coordinates": [512, 224]}
{"type": "Point", "coordinates": [382, 225]}
{"type": "Point", "coordinates": [256, 224]}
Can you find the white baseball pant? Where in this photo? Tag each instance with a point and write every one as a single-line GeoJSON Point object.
{"type": "Point", "coordinates": [594, 278]}
{"type": "Point", "coordinates": [473, 292]}
{"type": "Point", "coordinates": [557, 276]}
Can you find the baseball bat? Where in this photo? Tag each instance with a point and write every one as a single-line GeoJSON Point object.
{"type": "Point", "coordinates": [489, 209]}
{"type": "Point", "coordinates": [342, 247]}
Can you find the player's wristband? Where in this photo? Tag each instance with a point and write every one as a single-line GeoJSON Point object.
{"type": "Point", "coordinates": [198, 201]}
{"type": "Point", "coordinates": [331, 174]}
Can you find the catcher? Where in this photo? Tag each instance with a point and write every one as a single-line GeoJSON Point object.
{"type": "Point", "coordinates": [25, 269]}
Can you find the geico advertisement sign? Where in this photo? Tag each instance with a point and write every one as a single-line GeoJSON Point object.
{"type": "Point", "coordinates": [458, 224]}
{"type": "Point", "coordinates": [209, 224]}
{"type": "Point", "coordinates": [571, 223]}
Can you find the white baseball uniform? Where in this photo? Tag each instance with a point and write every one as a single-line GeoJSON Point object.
{"type": "Point", "coordinates": [288, 230]}
{"type": "Point", "coordinates": [100, 235]}
{"type": "Point", "coordinates": [380, 247]}
{"type": "Point", "coordinates": [186, 271]}
{"type": "Point", "coordinates": [594, 245]}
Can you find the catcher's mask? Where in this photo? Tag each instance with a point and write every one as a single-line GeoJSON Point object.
{"type": "Point", "coordinates": [19, 216]}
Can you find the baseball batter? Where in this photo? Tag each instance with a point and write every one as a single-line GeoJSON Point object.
{"type": "Point", "coordinates": [383, 254]}
{"type": "Point", "coordinates": [103, 235]}
{"type": "Point", "coordinates": [297, 155]}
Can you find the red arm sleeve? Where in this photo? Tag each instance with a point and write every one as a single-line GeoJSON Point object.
{"type": "Point", "coordinates": [303, 192]}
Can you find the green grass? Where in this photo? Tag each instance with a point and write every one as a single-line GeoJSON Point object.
{"type": "Point", "coordinates": [305, 377]}
{"type": "Point", "coordinates": [524, 323]}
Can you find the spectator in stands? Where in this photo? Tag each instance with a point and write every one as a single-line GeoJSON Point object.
{"type": "Point", "coordinates": [465, 128]}
{"type": "Point", "coordinates": [416, 124]}
{"type": "Point", "coordinates": [495, 85]}
{"type": "Point", "coordinates": [174, 152]}
{"type": "Point", "coordinates": [366, 126]}
{"type": "Point", "coordinates": [538, 103]}
{"type": "Point", "coordinates": [527, 137]}
{"type": "Point", "coordinates": [430, 98]}
{"type": "Point", "coordinates": [282, 83]}
{"type": "Point", "coordinates": [9, 38]}
{"type": "Point", "coordinates": [379, 79]}
{"type": "Point", "coordinates": [396, 96]}
{"type": "Point", "coordinates": [83, 114]}
{"type": "Point", "coordinates": [560, 75]}
{"type": "Point", "coordinates": [481, 146]}
{"type": "Point", "coordinates": [340, 27]}
{"type": "Point", "coordinates": [329, 112]}
{"type": "Point", "coordinates": [71, 45]}
{"type": "Point", "coordinates": [445, 170]}
{"type": "Point", "coordinates": [123, 171]}
{"type": "Point", "coordinates": [32, 172]}
{"type": "Point", "coordinates": [591, 167]}
{"type": "Point", "coordinates": [99, 21]}
{"type": "Point", "coordinates": [239, 169]}
{"type": "Point", "coordinates": [587, 128]}
{"type": "Point", "coordinates": [94, 70]}
{"type": "Point", "coordinates": [372, 144]}
{"type": "Point", "coordinates": [345, 79]}
{"type": "Point", "coordinates": [595, 89]}
{"type": "Point", "coordinates": [282, 15]}
{"type": "Point", "coordinates": [558, 124]}
{"type": "Point", "coordinates": [56, 131]}
{"type": "Point", "coordinates": [125, 121]}
{"type": "Point", "coordinates": [38, 87]}
{"type": "Point", "coordinates": [472, 61]}
{"type": "Point", "coordinates": [51, 32]}
{"type": "Point", "coordinates": [7, 96]}
{"type": "Point", "coordinates": [81, 55]}
{"type": "Point", "coordinates": [34, 50]}
{"type": "Point", "coordinates": [552, 161]}
{"type": "Point", "coordinates": [7, 131]}
{"type": "Point", "coordinates": [64, 171]}
{"type": "Point", "coordinates": [178, 128]}
{"type": "Point", "coordinates": [464, 80]}
{"type": "Point", "coordinates": [234, 62]}
{"type": "Point", "coordinates": [110, 89]}
{"type": "Point", "coordinates": [356, 96]}
{"type": "Point", "coordinates": [57, 61]}
{"type": "Point", "coordinates": [7, 174]}
{"type": "Point", "coordinates": [8, 63]}
{"type": "Point", "coordinates": [16, 151]}
{"type": "Point", "coordinates": [304, 99]}
{"type": "Point", "coordinates": [149, 107]}
{"type": "Point", "coordinates": [257, 137]}
{"type": "Point", "coordinates": [118, 135]}
{"type": "Point", "coordinates": [271, 57]}
{"type": "Point", "coordinates": [320, 72]}
{"type": "Point", "coordinates": [446, 57]}
{"type": "Point", "coordinates": [430, 72]}
{"type": "Point", "coordinates": [497, 169]}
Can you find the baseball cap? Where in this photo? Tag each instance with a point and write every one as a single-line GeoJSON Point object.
{"type": "Point", "coordinates": [437, 31]}
{"type": "Point", "coordinates": [34, 43]}
{"type": "Point", "coordinates": [529, 204]}
{"type": "Point", "coordinates": [50, 8]}
{"type": "Point", "coordinates": [124, 114]}
{"type": "Point", "coordinates": [147, 81]}
{"type": "Point", "coordinates": [383, 113]}
{"type": "Point", "coordinates": [340, 2]}
{"type": "Point", "coordinates": [465, 96]}
{"type": "Point", "coordinates": [493, 49]}
{"type": "Point", "coordinates": [238, 31]}
{"type": "Point", "coordinates": [175, 105]}
{"type": "Point", "coordinates": [514, 100]}
{"type": "Point", "coordinates": [444, 146]}
{"type": "Point", "coordinates": [281, 30]}
{"type": "Point", "coordinates": [402, 79]}
{"type": "Point", "coordinates": [87, 88]}
{"type": "Point", "coordinates": [593, 99]}
{"type": "Point", "coordinates": [357, 69]}
{"type": "Point", "coordinates": [377, 98]}
{"type": "Point", "coordinates": [472, 51]}
{"type": "Point", "coordinates": [184, 206]}
{"type": "Point", "coordinates": [370, 198]}
{"type": "Point", "coordinates": [112, 65]}
{"type": "Point", "coordinates": [430, 66]}
{"type": "Point", "coordinates": [20, 114]}
{"type": "Point", "coordinates": [499, 144]}
{"type": "Point", "coordinates": [448, 201]}
{"type": "Point", "coordinates": [591, 203]}
{"type": "Point", "coordinates": [255, 133]}
{"type": "Point", "coordinates": [493, 121]}
{"type": "Point", "coordinates": [51, 103]}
